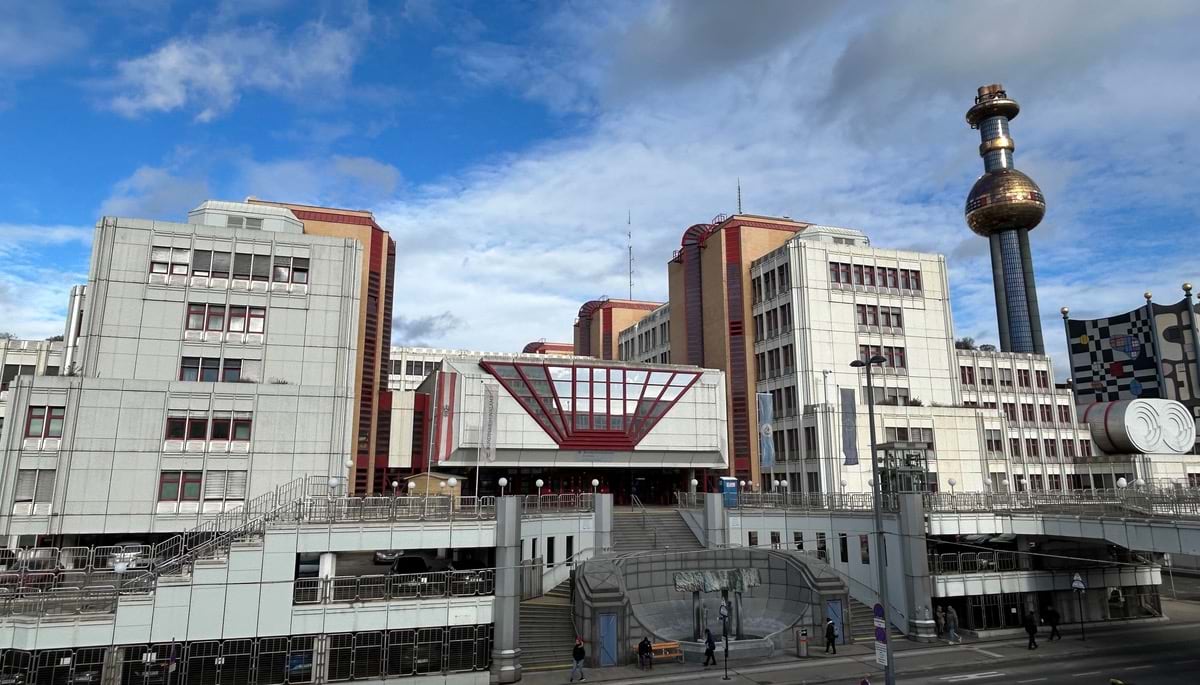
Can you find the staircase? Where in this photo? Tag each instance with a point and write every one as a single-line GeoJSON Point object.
{"type": "Point", "coordinates": [861, 623]}
{"type": "Point", "coordinates": [637, 530]}
{"type": "Point", "coordinates": [547, 630]}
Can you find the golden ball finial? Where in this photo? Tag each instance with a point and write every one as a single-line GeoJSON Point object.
{"type": "Point", "coordinates": [1148, 295]}
{"type": "Point", "coordinates": [1065, 311]}
{"type": "Point", "coordinates": [1187, 288]}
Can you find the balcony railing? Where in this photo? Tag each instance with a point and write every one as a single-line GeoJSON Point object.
{"type": "Point", "coordinates": [972, 562]}
{"type": "Point", "coordinates": [386, 588]}
{"type": "Point", "coordinates": [328, 510]}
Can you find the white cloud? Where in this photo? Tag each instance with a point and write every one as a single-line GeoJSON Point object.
{"type": "Point", "coordinates": [854, 121]}
{"type": "Point", "coordinates": [155, 192]}
{"type": "Point", "coordinates": [207, 73]}
{"type": "Point", "coordinates": [34, 34]}
{"type": "Point", "coordinates": [337, 180]}
{"type": "Point", "coordinates": [41, 263]}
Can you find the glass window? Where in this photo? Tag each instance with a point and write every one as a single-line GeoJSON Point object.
{"type": "Point", "coordinates": [231, 370]}
{"type": "Point", "coordinates": [220, 265]}
{"type": "Point", "coordinates": [189, 369]}
{"type": "Point", "coordinates": [300, 270]}
{"type": "Point", "coordinates": [197, 428]}
{"type": "Point", "coordinates": [168, 486]}
{"type": "Point", "coordinates": [864, 549]}
{"type": "Point", "coordinates": [36, 424]}
{"type": "Point", "coordinates": [261, 270]}
{"type": "Point", "coordinates": [195, 317]}
{"type": "Point", "coordinates": [283, 270]}
{"type": "Point", "coordinates": [216, 318]}
{"type": "Point", "coordinates": [210, 370]}
{"type": "Point", "coordinates": [190, 491]}
{"type": "Point", "coordinates": [237, 318]}
{"type": "Point", "coordinates": [176, 428]}
{"type": "Point", "coordinates": [55, 426]}
{"type": "Point", "coordinates": [242, 265]}
{"type": "Point", "coordinates": [201, 262]}
{"type": "Point", "coordinates": [241, 429]}
{"type": "Point", "coordinates": [258, 319]}
{"type": "Point", "coordinates": [221, 427]}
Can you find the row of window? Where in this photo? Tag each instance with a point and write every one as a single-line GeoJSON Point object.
{"type": "Point", "coordinates": [232, 318]}
{"type": "Point", "coordinates": [770, 283]}
{"type": "Point", "coordinates": [874, 276]}
{"type": "Point", "coordinates": [873, 315]}
{"type": "Point", "coordinates": [864, 544]}
{"type": "Point", "coordinates": [773, 322]}
{"type": "Point", "coordinates": [787, 445]}
{"type": "Point", "coordinates": [776, 362]}
{"type": "Point", "coordinates": [217, 370]}
{"type": "Point", "coordinates": [11, 371]}
{"type": "Point", "coordinates": [35, 485]}
{"type": "Point", "coordinates": [216, 264]}
{"type": "Point", "coordinates": [895, 356]}
{"type": "Point", "coordinates": [413, 368]}
{"type": "Point", "coordinates": [192, 486]}
{"type": "Point", "coordinates": [986, 377]}
{"type": "Point", "coordinates": [908, 434]}
{"type": "Point", "coordinates": [1048, 447]}
{"type": "Point", "coordinates": [222, 426]}
{"type": "Point", "coordinates": [1044, 412]}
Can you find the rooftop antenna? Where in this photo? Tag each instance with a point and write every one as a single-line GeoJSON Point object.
{"type": "Point", "coordinates": [629, 236]}
{"type": "Point", "coordinates": [739, 184]}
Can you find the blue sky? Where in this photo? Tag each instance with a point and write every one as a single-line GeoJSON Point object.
{"type": "Point", "coordinates": [504, 143]}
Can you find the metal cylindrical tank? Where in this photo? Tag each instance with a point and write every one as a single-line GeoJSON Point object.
{"type": "Point", "coordinates": [1141, 426]}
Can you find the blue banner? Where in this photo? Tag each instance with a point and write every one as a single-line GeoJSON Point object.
{"type": "Point", "coordinates": [766, 430]}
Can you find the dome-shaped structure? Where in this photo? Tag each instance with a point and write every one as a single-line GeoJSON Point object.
{"type": "Point", "coordinates": [1004, 200]}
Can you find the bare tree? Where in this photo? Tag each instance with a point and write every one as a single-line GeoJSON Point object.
{"type": "Point", "coordinates": [964, 344]}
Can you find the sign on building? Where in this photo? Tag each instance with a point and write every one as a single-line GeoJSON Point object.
{"type": "Point", "coordinates": [489, 418]}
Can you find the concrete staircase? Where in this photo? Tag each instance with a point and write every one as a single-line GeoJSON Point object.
{"type": "Point", "coordinates": [547, 630]}
{"type": "Point", "coordinates": [636, 530]}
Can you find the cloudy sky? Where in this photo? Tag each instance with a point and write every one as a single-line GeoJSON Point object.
{"type": "Point", "coordinates": [504, 145]}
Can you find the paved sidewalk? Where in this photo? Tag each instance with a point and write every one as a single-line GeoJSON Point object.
{"type": "Point", "coordinates": [856, 661]}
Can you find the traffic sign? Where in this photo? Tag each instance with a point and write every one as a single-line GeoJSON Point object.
{"type": "Point", "coordinates": [1077, 583]}
{"type": "Point", "coordinates": [881, 653]}
{"type": "Point", "coordinates": [878, 610]}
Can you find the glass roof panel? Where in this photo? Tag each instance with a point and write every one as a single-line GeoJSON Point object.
{"type": "Point", "coordinates": [660, 377]}
{"type": "Point", "coordinates": [683, 378]}
{"type": "Point", "coordinates": [671, 393]}
{"type": "Point", "coordinates": [637, 377]}
{"type": "Point", "coordinates": [582, 373]}
{"type": "Point", "coordinates": [599, 374]}
{"type": "Point", "coordinates": [534, 371]}
{"type": "Point", "coordinates": [616, 375]}
{"type": "Point", "coordinates": [560, 373]}
{"type": "Point", "coordinates": [506, 371]}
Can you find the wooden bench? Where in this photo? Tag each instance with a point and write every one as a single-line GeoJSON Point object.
{"type": "Point", "coordinates": [663, 650]}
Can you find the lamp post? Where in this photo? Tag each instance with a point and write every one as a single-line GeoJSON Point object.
{"type": "Point", "coordinates": [953, 502]}
{"type": "Point", "coordinates": [503, 483]}
{"type": "Point", "coordinates": [889, 671]}
{"type": "Point", "coordinates": [596, 486]}
{"type": "Point", "coordinates": [785, 485]}
{"type": "Point", "coordinates": [539, 483]}
{"type": "Point", "coordinates": [395, 486]}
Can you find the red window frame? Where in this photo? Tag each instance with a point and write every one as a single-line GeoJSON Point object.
{"type": "Point", "coordinates": [169, 479]}
{"type": "Point", "coordinates": [197, 428]}
{"type": "Point", "coordinates": [241, 426]}
{"type": "Point", "coordinates": [226, 422]}
{"type": "Point", "coordinates": [195, 310]}
{"type": "Point", "coordinates": [256, 318]}
{"type": "Point", "coordinates": [35, 414]}
{"type": "Point", "coordinates": [176, 428]}
{"type": "Point", "coordinates": [216, 313]}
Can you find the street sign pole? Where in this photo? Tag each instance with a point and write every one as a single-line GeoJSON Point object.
{"type": "Point", "coordinates": [1080, 587]}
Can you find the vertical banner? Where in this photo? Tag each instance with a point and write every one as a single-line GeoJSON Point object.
{"type": "Point", "coordinates": [488, 420]}
{"type": "Point", "coordinates": [849, 427]}
{"type": "Point", "coordinates": [766, 430]}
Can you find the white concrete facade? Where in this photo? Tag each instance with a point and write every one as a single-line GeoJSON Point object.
{"type": "Point", "coordinates": [26, 358]}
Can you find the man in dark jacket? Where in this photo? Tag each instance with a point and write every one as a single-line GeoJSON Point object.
{"type": "Point", "coordinates": [577, 656]}
{"type": "Point", "coordinates": [1031, 629]}
{"type": "Point", "coordinates": [645, 654]}
{"type": "Point", "coordinates": [1052, 618]}
{"type": "Point", "coordinates": [830, 636]}
{"type": "Point", "coordinates": [710, 648]}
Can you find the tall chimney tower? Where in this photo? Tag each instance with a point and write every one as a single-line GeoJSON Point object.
{"type": "Point", "coordinates": [1003, 206]}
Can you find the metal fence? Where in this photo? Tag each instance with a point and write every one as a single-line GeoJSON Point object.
{"type": "Point", "coordinates": [972, 562]}
{"type": "Point", "coordinates": [855, 501]}
{"type": "Point", "coordinates": [331, 510]}
{"type": "Point", "coordinates": [384, 588]}
{"type": "Point", "coordinates": [61, 601]}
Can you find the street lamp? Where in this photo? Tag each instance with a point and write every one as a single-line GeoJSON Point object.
{"type": "Point", "coordinates": [596, 484]}
{"type": "Point", "coordinates": [395, 486]}
{"type": "Point", "coordinates": [952, 482]}
{"type": "Point", "coordinates": [1122, 483]}
{"type": "Point", "coordinates": [889, 670]}
{"type": "Point", "coordinates": [539, 483]}
{"type": "Point", "coordinates": [503, 483]}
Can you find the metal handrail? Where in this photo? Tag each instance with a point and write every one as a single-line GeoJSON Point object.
{"type": "Point", "coordinates": [391, 587]}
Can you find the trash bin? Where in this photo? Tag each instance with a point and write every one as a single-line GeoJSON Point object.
{"type": "Point", "coordinates": [802, 643]}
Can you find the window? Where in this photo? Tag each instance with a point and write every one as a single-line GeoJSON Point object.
{"type": "Point", "coordinates": [210, 370]}
{"type": "Point", "coordinates": [1193, 480]}
{"type": "Point", "coordinates": [1036, 482]}
{"type": "Point", "coordinates": [1046, 412]}
{"type": "Point", "coordinates": [220, 264]}
{"type": "Point", "coordinates": [231, 370]}
{"type": "Point", "coordinates": [994, 441]}
{"type": "Point", "coordinates": [197, 428]}
{"type": "Point", "coordinates": [222, 426]}
{"type": "Point", "coordinates": [1043, 380]}
{"type": "Point", "coordinates": [967, 374]}
{"type": "Point", "coordinates": [195, 317]}
{"type": "Point", "coordinates": [282, 273]}
{"type": "Point", "coordinates": [839, 272]}
{"type": "Point", "coordinates": [1023, 378]}
{"type": "Point", "coordinates": [258, 319]}
{"type": "Point", "coordinates": [1064, 414]}
{"type": "Point", "coordinates": [237, 318]}
{"type": "Point", "coordinates": [224, 485]}
{"type": "Point", "coordinates": [1010, 411]}
{"type": "Point", "coordinates": [891, 317]}
{"type": "Point", "coordinates": [242, 265]}
{"type": "Point", "coordinates": [1051, 447]}
{"type": "Point", "coordinates": [1068, 448]}
{"type": "Point", "coordinates": [895, 357]}
{"type": "Point", "coordinates": [1014, 446]}
{"type": "Point", "coordinates": [176, 428]}
{"type": "Point", "coordinates": [1031, 447]}
{"type": "Point", "coordinates": [241, 429]}
{"type": "Point", "coordinates": [864, 549]}
{"type": "Point", "coordinates": [987, 376]}
{"type": "Point", "coordinates": [299, 270]}
{"type": "Point", "coordinates": [215, 321]}
{"type": "Point", "coordinates": [1085, 448]}
{"type": "Point", "coordinates": [261, 269]}
{"type": "Point", "coordinates": [844, 548]}
{"type": "Point", "coordinates": [179, 486]}
{"type": "Point", "coordinates": [822, 552]}
{"type": "Point", "coordinates": [167, 260]}
{"type": "Point", "coordinates": [201, 262]}
{"type": "Point", "coordinates": [776, 540]}
{"type": "Point", "coordinates": [798, 535]}
{"type": "Point", "coordinates": [858, 274]}
{"type": "Point", "coordinates": [1006, 378]}
{"type": "Point", "coordinates": [1027, 413]}
{"type": "Point", "coordinates": [1055, 481]}
{"type": "Point", "coordinates": [243, 222]}
{"type": "Point", "coordinates": [34, 485]}
{"type": "Point", "coordinates": [752, 538]}
{"type": "Point", "coordinates": [45, 422]}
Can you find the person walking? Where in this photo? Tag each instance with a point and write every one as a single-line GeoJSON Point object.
{"type": "Point", "coordinates": [939, 621]}
{"type": "Point", "coordinates": [577, 656]}
{"type": "Point", "coordinates": [952, 627]}
{"type": "Point", "coordinates": [710, 648]}
{"type": "Point", "coordinates": [645, 654]}
{"type": "Point", "coordinates": [1052, 618]}
{"type": "Point", "coordinates": [1031, 629]}
{"type": "Point", "coordinates": [830, 636]}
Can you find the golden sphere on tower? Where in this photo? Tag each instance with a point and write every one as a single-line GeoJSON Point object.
{"type": "Point", "coordinates": [1004, 200]}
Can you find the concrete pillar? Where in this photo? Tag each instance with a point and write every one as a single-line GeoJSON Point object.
{"type": "Point", "coordinates": [110, 673]}
{"type": "Point", "coordinates": [603, 522]}
{"type": "Point", "coordinates": [506, 616]}
{"type": "Point", "coordinates": [716, 525]}
{"type": "Point", "coordinates": [914, 562]}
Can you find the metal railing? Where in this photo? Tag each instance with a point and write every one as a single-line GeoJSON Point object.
{"type": "Point", "coordinates": [972, 562]}
{"type": "Point", "coordinates": [856, 501]}
{"type": "Point", "coordinates": [61, 601]}
{"type": "Point", "coordinates": [330, 510]}
{"type": "Point", "coordinates": [385, 588]}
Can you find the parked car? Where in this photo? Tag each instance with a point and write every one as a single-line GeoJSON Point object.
{"type": "Point", "coordinates": [387, 556]}
{"type": "Point", "coordinates": [411, 564]}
